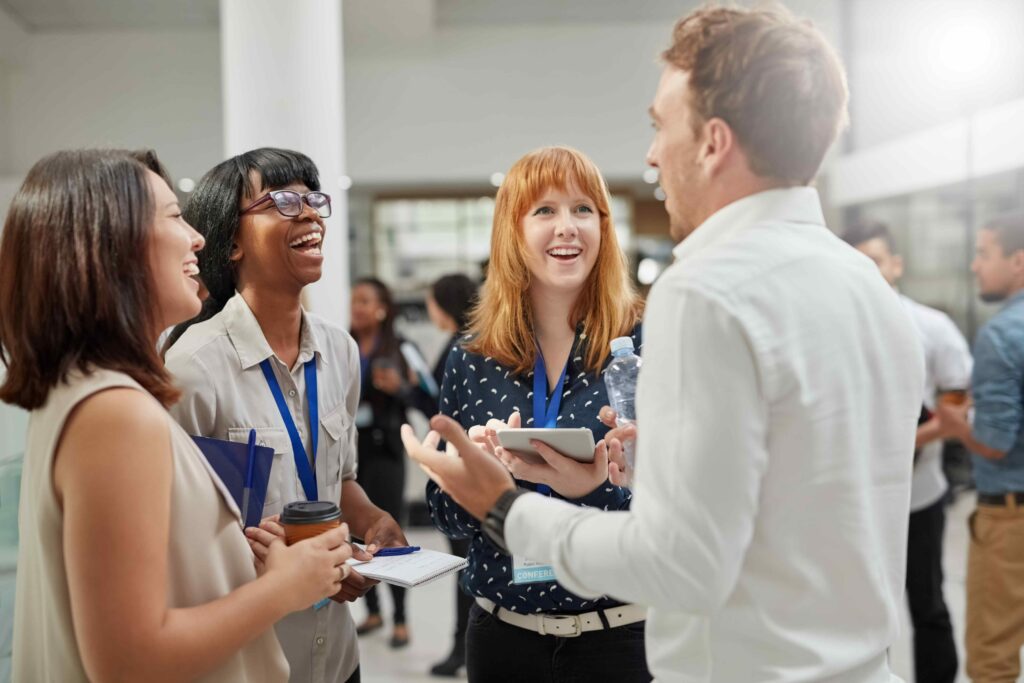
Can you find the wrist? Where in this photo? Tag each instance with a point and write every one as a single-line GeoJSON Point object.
{"type": "Point", "coordinates": [493, 525]}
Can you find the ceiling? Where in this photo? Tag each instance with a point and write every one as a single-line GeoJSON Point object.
{"type": "Point", "coordinates": [58, 15]}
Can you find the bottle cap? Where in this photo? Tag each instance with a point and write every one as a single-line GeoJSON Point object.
{"type": "Point", "coordinates": [621, 343]}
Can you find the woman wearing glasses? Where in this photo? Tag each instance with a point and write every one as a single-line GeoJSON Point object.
{"type": "Point", "coordinates": [254, 359]}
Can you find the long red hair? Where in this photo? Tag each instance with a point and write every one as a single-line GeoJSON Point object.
{"type": "Point", "coordinates": [501, 324]}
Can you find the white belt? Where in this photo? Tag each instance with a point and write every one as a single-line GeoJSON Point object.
{"type": "Point", "coordinates": [567, 625]}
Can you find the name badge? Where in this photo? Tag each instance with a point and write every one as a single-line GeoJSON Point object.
{"type": "Point", "coordinates": [525, 570]}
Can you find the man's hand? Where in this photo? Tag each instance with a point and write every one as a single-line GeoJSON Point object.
{"type": "Point", "coordinates": [952, 420]}
{"type": "Point", "coordinates": [472, 477]}
{"type": "Point", "coordinates": [618, 470]}
{"type": "Point", "coordinates": [570, 478]}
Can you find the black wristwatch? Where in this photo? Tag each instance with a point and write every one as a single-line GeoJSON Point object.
{"type": "Point", "coordinates": [494, 523]}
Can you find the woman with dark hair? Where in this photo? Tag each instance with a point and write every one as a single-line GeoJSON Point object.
{"type": "Point", "coordinates": [254, 359]}
{"type": "Point", "coordinates": [449, 302]}
{"type": "Point", "coordinates": [389, 388]}
{"type": "Point", "coordinates": [132, 563]}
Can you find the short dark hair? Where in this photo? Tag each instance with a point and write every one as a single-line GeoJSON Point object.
{"type": "Point", "coordinates": [72, 292]}
{"type": "Point", "coordinates": [213, 210]}
{"type": "Point", "coordinates": [863, 231]}
{"type": "Point", "coordinates": [455, 295]}
{"type": "Point", "coordinates": [773, 78]}
{"type": "Point", "coordinates": [1009, 229]}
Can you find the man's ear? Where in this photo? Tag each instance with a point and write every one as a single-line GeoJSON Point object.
{"type": "Point", "coordinates": [718, 142]}
{"type": "Point", "coordinates": [1017, 262]}
{"type": "Point", "coordinates": [236, 253]}
{"type": "Point", "coordinates": [897, 266]}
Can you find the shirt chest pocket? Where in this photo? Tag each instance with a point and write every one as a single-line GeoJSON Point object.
{"type": "Point", "coordinates": [282, 482]}
{"type": "Point", "coordinates": [335, 447]}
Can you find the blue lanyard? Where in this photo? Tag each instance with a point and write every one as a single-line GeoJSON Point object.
{"type": "Point", "coordinates": [545, 412]}
{"type": "Point", "coordinates": [306, 474]}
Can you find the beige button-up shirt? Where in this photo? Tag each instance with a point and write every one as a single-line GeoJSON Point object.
{"type": "Point", "coordinates": [216, 364]}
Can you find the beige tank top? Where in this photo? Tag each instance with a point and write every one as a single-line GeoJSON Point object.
{"type": "Point", "coordinates": [208, 556]}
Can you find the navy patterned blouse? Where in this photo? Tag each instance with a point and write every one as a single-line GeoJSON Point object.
{"type": "Point", "coordinates": [476, 389]}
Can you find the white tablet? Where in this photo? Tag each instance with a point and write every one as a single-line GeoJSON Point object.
{"type": "Point", "coordinates": [575, 443]}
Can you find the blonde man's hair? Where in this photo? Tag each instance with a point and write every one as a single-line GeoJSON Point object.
{"type": "Point", "coordinates": [773, 78]}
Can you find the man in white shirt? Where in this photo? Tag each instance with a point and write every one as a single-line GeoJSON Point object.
{"type": "Point", "coordinates": [778, 401]}
{"type": "Point", "coordinates": [947, 377]}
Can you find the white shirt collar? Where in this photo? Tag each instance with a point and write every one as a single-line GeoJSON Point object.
{"type": "Point", "coordinates": [789, 204]}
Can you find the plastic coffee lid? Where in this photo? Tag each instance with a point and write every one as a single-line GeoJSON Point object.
{"type": "Point", "coordinates": [309, 512]}
{"type": "Point", "coordinates": [620, 343]}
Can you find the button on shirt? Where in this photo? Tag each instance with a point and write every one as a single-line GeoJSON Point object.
{"type": "Point", "coordinates": [476, 389]}
{"type": "Point", "coordinates": [998, 389]}
{"type": "Point", "coordinates": [216, 364]}
{"type": "Point", "coordinates": [947, 367]}
{"type": "Point", "coordinates": [777, 407]}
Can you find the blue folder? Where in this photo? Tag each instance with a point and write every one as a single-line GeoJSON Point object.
{"type": "Point", "coordinates": [230, 460]}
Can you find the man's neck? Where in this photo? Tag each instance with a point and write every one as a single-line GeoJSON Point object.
{"type": "Point", "coordinates": [279, 315]}
{"type": "Point", "coordinates": [730, 188]}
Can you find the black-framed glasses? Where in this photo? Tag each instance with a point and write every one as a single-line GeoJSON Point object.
{"type": "Point", "coordinates": [289, 203]}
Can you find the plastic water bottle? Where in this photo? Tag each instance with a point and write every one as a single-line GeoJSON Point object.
{"type": "Point", "coordinates": [620, 380]}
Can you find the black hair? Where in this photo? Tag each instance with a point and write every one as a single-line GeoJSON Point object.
{"type": "Point", "coordinates": [1009, 228]}
{"type": "Point", "coordinates": [388, 337]}
{"type": "Point", "coordinates": [213, 210]}
{"type": "Point", "coordinates": [455, 295]}
{"type": "Point", "coordinates": [864, 231]}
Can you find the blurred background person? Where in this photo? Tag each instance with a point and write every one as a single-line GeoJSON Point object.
{"type": "Point", "coordinates": [947, 377]}
{"type": "Point", "coordinates": [133, 562]}
{"type": "Point", "coordinates": [389, 383]}
{"type": "Point", "coordinates": [995, 556]}
{"type": "Point", "coordinates": [449, 302]}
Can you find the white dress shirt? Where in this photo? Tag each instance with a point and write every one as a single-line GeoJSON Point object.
{"type": "Point", "coordinates": [777, 408]}
{"type": "Point", "coordinates": [216, 364]}
{"type": "Point", "coordinates": [947, 367]}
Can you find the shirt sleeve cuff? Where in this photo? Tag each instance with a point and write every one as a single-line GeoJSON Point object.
{"type": "Point", "coordinates": [607, 496]}
{"type": "Point", "coordinates": [993, 437]}
{"type": "Point", "coordinates": [533, 522]}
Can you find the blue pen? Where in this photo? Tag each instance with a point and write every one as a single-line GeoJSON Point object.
{"type": "Point", "coordinates": [250, 466]}
{"type": "Point", "coordinates": [389, 552]}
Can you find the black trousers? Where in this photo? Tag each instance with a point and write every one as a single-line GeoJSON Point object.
{"type": "Point", "coordinates": [463, 602]}
{"type": "Point", "coordinates": [382, 476]}
{"type": "Point", "coordinates": [497, 652]}
{"type": "Point", "coordinates": [935, 659]}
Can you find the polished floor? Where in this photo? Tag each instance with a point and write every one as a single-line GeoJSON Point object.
{"type": "Point", "coordinates": [430, 610]}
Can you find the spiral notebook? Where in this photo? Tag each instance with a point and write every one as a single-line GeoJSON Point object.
{"type": "Point", "coordinates": [408, 571]}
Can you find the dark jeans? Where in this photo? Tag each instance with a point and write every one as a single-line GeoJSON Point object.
{"type": "Point", "coordinates": [935, 658]}
{"type": "Point", "coordinates": [498, 652]}
{"type": "Point", "coordinates": [354, 678]}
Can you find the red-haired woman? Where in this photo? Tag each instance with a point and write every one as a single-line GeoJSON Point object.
{"type": "Point", "coordinates": [132, 565]}
{"type": "Point", "coordinates": [557, 293]}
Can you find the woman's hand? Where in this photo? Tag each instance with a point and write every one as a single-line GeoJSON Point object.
{"type": "Point", "coordinates": [386, 379]}
{"type": "Point", "coordinates": [570, 478]}
{"type": "Point", "coordinates": [619, 472]}
{"type": "Point", "coordinates": [261, 537]}
{"type": "Point", "coordinates": [486, 436]}
{"type": "Point", "coordinates": [310, 570]}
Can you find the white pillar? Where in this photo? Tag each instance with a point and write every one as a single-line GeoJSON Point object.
{"type": "Point", "coordinates": [283, 86]}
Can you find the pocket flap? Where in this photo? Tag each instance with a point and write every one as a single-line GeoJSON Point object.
{"type": "Point", "coordinates": [336, 423]}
